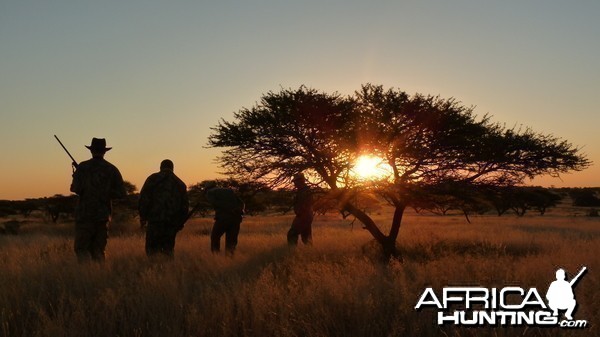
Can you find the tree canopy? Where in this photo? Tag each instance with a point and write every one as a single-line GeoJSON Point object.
{"type": "Point", "coordinates": [427, 141]}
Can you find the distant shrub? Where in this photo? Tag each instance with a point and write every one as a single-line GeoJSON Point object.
{"type": "Point", "coordinates": [585, 197]}
{"type": "Point", "coordinates": [11, 227]}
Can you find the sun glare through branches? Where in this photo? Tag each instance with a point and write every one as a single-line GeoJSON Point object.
{"type": "Point", "coordinates": [369, 167]}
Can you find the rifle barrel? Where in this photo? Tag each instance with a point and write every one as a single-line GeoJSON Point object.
{"type": "Point", "coordinates": [573, 280]}
{"type": "Point", "coordinates": [67, 151]}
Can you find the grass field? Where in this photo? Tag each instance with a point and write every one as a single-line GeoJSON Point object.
{"type": "Point", "coordinates": [337, 287]}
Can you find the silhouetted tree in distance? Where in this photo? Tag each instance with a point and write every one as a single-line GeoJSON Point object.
{"type": "Point", "coordinates": [499, 197]}
{"type": "Point", "coordinates": [60, 204]}
{"type": "Point", "coordinates": [537, 198]}
{"type": "Point", "coordinates": [584, 197]}
{"type": "Point", "coordinates": [126, 208]}
{"type": "Point", "coordinates": [130, 188]}
{"type": "Point", "coordinates": [520, 199]}
{"type": "Point", "coordinates": [425, 139]}
{"type": "Point", "coordinates": [443, 197]}
{"type": "Point", "coordinates": [254, 194]}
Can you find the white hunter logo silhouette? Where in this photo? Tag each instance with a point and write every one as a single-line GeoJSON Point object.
{"type": "Point", "coordinates": [560, 293]}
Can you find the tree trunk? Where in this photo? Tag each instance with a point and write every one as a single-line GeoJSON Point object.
{"type": "Point", "coordinates": [390, 249]}
{"type": "Point", "coordinates": [367, 222]}
{"type": "Point", "coordinates": [396, 221]}
{"type": "Point", "coordinates": [466, 216]}
{"type": "Point", "coordinates": [388, 243]}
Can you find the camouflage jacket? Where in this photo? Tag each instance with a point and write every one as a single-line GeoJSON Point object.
{"type": "Point", "coordinates": [163, 198]}
{"type": "Point", "coordinates": [303, 202]}
{"type": "Point", "coordinates": [225, 203]}
{"type": "Point", "coordinates": [96, 181]}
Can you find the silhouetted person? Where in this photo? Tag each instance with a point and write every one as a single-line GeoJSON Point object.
{"type": "Point", "coordinates": [163, 208]}
{"type": "Point", "coordinates": [97, 182]}
{"type": "Point", "coordinates": [560, 294]}
{"type": "Point", "coordinates": [303, 203]}
{"type": "Point", "coordinates": [229, 210]}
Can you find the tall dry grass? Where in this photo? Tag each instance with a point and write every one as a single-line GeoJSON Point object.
{"type": "Point", "coordinates": [337, 287]}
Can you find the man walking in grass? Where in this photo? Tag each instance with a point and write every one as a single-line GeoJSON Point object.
{"type": "Point", "coordinates": [229, 210]}
{"type": "Point", "coordinates": [163, 208]}
{"type": "Point", "coordinates": [96, 182]}
{"type": "Point", "coordinates": [303, 208]}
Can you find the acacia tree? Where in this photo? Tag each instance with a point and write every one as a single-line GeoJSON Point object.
{"type": "Point", "coordinates": [427, 141]}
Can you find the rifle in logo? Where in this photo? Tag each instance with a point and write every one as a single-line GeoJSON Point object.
{"type": "Point", "coordinates": [560, 294]}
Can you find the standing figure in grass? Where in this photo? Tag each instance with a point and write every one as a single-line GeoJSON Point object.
{"type": "Point", "coordinates": [229, 211]}
{"type": "Point", "coordinates": [303, 208]}
{"type": "Point", "coordinates": [163, 207]}
{"type": "Point", "coordinates": [96, 182]}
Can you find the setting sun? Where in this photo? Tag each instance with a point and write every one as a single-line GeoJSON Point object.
{"type": "Point", "coordinates": [370, 167]}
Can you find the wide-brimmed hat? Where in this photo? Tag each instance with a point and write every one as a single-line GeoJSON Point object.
{"type": "Point", "coordinates": [98, 144]}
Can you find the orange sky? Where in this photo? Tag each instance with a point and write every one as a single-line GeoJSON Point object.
{"type": "Point", "coordinates": [153, 77]}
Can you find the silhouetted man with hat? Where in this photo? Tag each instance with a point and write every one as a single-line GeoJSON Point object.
{"type": "Point", "coordinates": [96, 182]}
{"type": "Point", "coordinates": [303, 208]}
{"type": "Point", "coordinates": [163, 208]}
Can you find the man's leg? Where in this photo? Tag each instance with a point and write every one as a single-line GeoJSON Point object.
{"type": "Point", "coordinates": [231, 237]}
{"type": "Point", "coordinates": [83, 239]}
{"type": "Point", "coordinates": [168, 244]}
{"type": "Point", "coordinates": [152, 246]}
{"type": "Point", "coordinates": [292, 234]}
{"type": "Point", "coordinates": [99, 240]}
{"type": "Point", "coordinates": [570, 309]}
{"type": "Point", "coordinates": [307, 233]}
{"type": "Point", "coordinates": [215, 237]}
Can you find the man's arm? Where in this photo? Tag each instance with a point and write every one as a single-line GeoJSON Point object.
{"type": "Point", "coordinates": [144, 202]}
{"type": "Point", "coordinates": [76, 185]}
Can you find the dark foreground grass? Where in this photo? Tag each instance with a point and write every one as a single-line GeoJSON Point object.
{"type": "Point", "coordinates": [338, 287]}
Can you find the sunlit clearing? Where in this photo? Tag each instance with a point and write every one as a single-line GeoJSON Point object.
{"type": "Point", "coordinates": [369, 167]}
